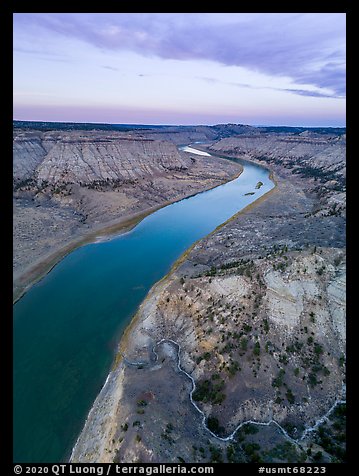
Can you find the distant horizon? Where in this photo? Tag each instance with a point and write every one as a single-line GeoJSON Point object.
{"type": "Point", "coordinates": [182, 125]}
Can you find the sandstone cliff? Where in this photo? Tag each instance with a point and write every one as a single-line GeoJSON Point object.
{"type": "Point", "coordinates": [317, 158]}
{"type": "Point", "coordinates": [95, 157]}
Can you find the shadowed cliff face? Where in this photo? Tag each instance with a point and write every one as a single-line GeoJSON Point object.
{"type": "Point", "coordinates": [96, 157]}
{"type": "Point", "coordinates": [28, 153]}
{"type": "Point", "coordinates": [322, 151]}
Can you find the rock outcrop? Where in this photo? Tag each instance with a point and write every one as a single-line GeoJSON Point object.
{"type": "Point", "coordinates": [318, 159]}
{"type": "Point", "coordinates": [66, 158]}
{"type": "Point", "coordinates": [28, 153]}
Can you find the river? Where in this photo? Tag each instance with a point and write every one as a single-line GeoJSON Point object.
{"type": "Point", "coordinates": [68, 325]}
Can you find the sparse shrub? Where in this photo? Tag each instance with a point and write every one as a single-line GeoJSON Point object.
{"type": "Point", "coordinates": [318, 349]}
{"type": "Point", "coordinates": [244, 343]}
{"type": "Point", "coordinates": [278, 381]}
{"type": "Point", "coordinates": [216, 455]}
{"type": "Point", "coordinates": [213, 424]}
{"type": "Point", "coordinates": [321, 270]}
{"type": "Point", "coordinates": [250, 429]}
{"type": "Point", "coordinates": [233, 368]}
{"type": "Point", "coordinates": [206, 391]}
{"type": "Point", "coordinates": [257, 349]}
{"type": "Point", "coordinates": [283, 359]}
{"type": "Point", "coordinates": [312, 379]}
{"type": "Point", "coordinates": [141, 403]}
{"type": "Point", "coordinates": [318, 456]}
{"type": "Point", "coordinates": [290, 396]}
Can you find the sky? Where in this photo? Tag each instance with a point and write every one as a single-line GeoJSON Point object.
{"type": "Point", "coordinates": [181, 68]}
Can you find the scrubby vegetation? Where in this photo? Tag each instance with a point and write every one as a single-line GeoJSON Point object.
{"type": "Point", "coordinates": [209, 392]}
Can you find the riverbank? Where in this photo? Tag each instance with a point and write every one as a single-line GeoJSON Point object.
{"type": "Point", "coordinates": [100, 431]}
{"type": "Point", "coordinates": [91, 297]}
{"type": "Point", "coordinates": [197, 294]}
{"type": "Point", "coordinates": [24, 280]}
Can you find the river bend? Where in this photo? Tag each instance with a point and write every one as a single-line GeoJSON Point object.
{"type": "Point", "coordinates": [67, 326]}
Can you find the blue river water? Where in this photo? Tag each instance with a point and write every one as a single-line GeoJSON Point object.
{"type": "Point", "coordinates": [67, 326]}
